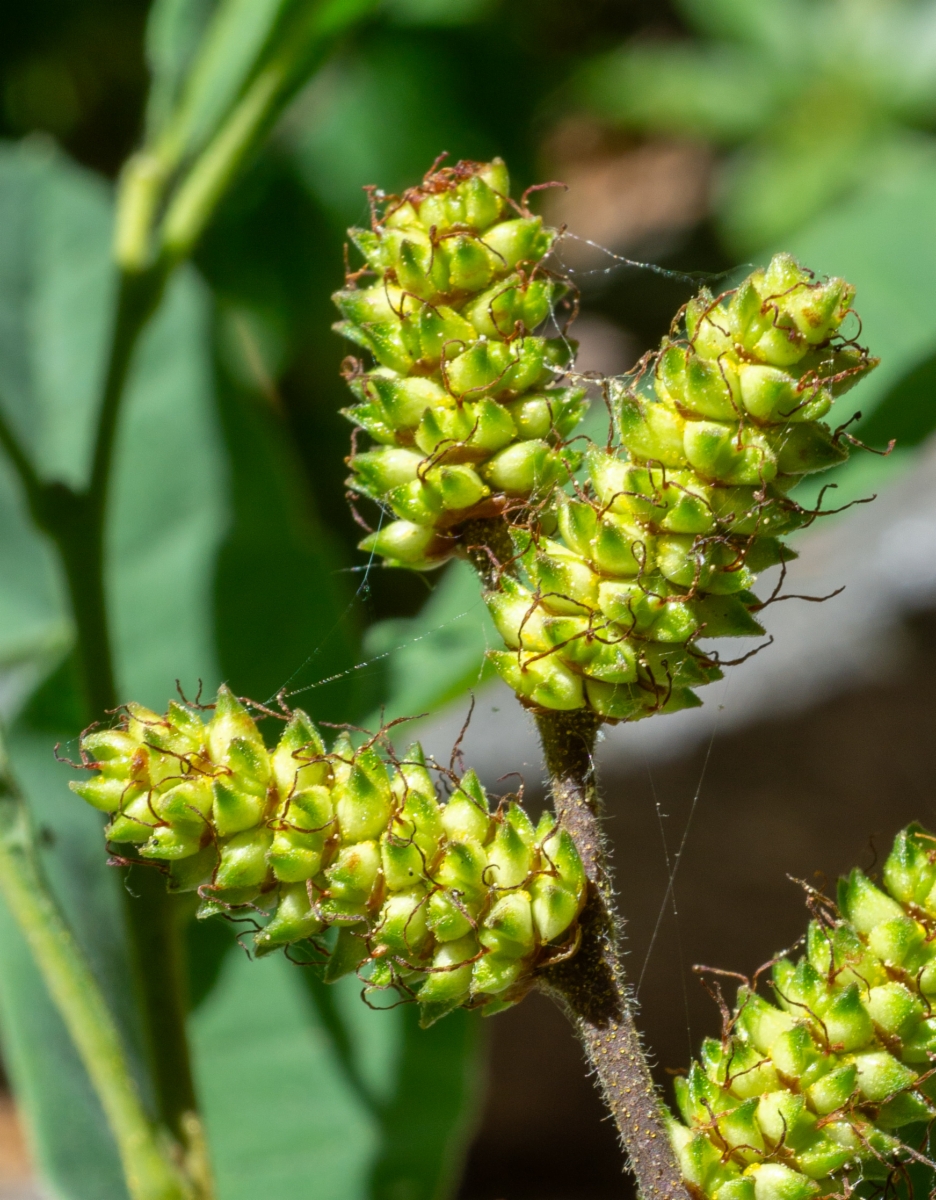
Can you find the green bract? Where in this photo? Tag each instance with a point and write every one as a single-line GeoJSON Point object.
{"type": "Point", "coordinates": [464, 402]}
{"type": "Point", "coordinates": [804, 1096]}
{"type": "Point", "coordinates": [662, 544]}
{"type": "Point", "coordinates": [442, 899]}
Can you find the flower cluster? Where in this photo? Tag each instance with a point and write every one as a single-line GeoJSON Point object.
{"type": "Point", "coordinates": [802, 1097]}
{"type": "Point", "coordinates": [438, 897]}
{"type": "Point", "coordinates": [465, 403]}
{"type": "Point", "coordinates": [662, 542]}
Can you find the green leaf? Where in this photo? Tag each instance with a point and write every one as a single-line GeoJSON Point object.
{"type": "Point", "coordinates": [437, 13]}
{"type": "Point", "coordinates": [34, 628]}
{"type": "Point", "coordinates": [427, 1120]}
{"type": "Point", "coordinates": [282, 1119]}
{"type": "Point", "coordinates": [768, 24]}
{"type": "Point", "coordinates": [882, 239]}
{"type": "Point", "coordinates": [906, 413]}
{"type": "Point", "coordinates": [56, 293]}
{"type": "Point", "coordinates": [438, 655]}
{"type": "Point", "coordinates": [286, 615]}
{"type": "Point", "coordinates": [715, 91]}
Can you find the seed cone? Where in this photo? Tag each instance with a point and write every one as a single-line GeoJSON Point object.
{"type": "Point", "coordinates": [464, 402]}
{"type": "Point", "coordinates": [441, 899]}
{"type": "Point", "coordinates": [662, 544]}
{"type": "Point", "coordinates": [806, 1095]}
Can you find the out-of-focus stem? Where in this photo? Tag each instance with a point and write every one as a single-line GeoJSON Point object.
{"type": "Point", "coordinates": [150, 1171]}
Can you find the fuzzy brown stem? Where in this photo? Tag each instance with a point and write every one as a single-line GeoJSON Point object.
{"type": "Point", "coordinates": [487, 545]}
{"type": "Point", "coordinates": [591, 987]}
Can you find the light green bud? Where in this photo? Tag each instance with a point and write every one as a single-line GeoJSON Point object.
{"type": "Point", "coordinates": [244, 860]}
{"type": "Point", "coordinates": [135, 822]}
{"type": "Point", "coordinates": [106, 794]}
{"type": "Point", "coordinates": [448, 916]}
{"type": "Point", "coordinates": [189, 803]}
{"type": "Point", "coordinates": [544, 681]}
{"type": "Point", "coordinates": [516, 615]}
{"type": "Point", "coordinates": [507, 930]}
{"type": "Point", "coordinates": [554, 907]}
{"type": "Point", "coordinates": [354, 872]}
{"type": "Point", "coordinates": [234, 810]}
{"type": "Point", "coordinates": [169, 842]}
{"type": "Point", "coordinates": [403, 862]}
{"type": "Point", "coordinates": [109, 745]}
{"type": "Point", "coordinates": [405, 544]}
{"type": "Point", "coordinates": [293, 921]}
{"type": "Point", "coordinates": [231, 720]}
{"type": "Point", "coordinates": [865, 905]}
{"type": "Point", "coordinates": [401, 927]}
{"type": "Point", "coordinates": [465, 818]}
{"type": "Point", "coordinates": [296, 856]}
{"type": "Point", "coordinates": [380, 470]}
{"type": "Point", "coordinates": [495, 973]}
{"type": "Point", "coordinates": [774, 1181]}
{"type": "Point", "coordinates": [510, 855]}
{"type": "Point", "coordinates": [447, 985]}
{"type": "Point", "coordinates": [363, 802]}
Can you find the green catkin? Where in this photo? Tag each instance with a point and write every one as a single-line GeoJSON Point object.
{"type": "Point", "coordinates": [807, 1095]}
{"type": "Point", "coordinates": [465, 404]}
{"type": "Point", "coordinates": [662, 544]}
{"type": "Point", "coordinates": [441, 899]}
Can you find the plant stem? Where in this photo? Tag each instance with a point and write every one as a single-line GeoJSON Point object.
{"type": "Point", "coordinates": [591, 987]}
{"type": "Point", "coordinates": [149, 1170]}
{"type": "Point", "coordinates": [76, 521]}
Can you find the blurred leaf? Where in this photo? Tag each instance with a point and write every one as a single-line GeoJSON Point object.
{"type": "Point", "coordinates": [778, 182]}
{"type": "Point", "coordinates": [774, 25]}
{"type": "Point", "coordinates": [429, 1117]}
{"type": "Point", "coordinates": [34, 627]}
{"type": "Point", "coordinates": [712, 91]}
{"type": "Point", "coordinates": [820, 96]}
{"type": "Point", "coordinates": [56, 291]}
{"type": "Point", "coordinates": [425, 1113]}
{"type": "Point", "coordinates": [286, 616]}
{"type": "Point", "coordinates": [907, 412]}
{"type": "Point", "coordinates": [282, 1118]}
{"type": "Point", "coordinates": [381, 115]}
{"type": "Point", "coordinates": [169, 506]}
{"type": "Point", "coordinates": [438, 655]}
{"type": "Point", "coordinates": [437, 12]}
{"type": "Point", "coordinates": [883, 240]}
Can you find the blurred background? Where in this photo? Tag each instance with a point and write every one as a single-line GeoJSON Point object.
{"type": "Point", "coordinates": [696, 136]}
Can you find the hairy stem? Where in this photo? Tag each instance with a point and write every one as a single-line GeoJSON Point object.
{"type": "Point", "coordinates": [592, 987]}
{"type": "Point", "coordinates": [487, 545]}
{"type": "Point", "coordinates": [150, 1171]}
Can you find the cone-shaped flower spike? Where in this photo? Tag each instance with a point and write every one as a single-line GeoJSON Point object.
{"type": "Point", "coordinates": [464, 400]}
{"type": "Point", "coordinates": [662, 544]}
{"type": "Point", "coordinates": [440, 898]}
{"type": "Point", "coordinates": [808, 1095]}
